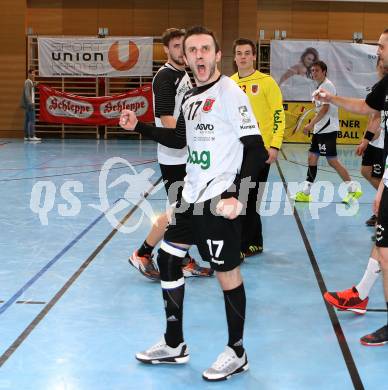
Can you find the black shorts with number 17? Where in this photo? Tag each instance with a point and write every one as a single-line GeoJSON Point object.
{"type": "Point", "coordinates": [324, 144]}
{"type": "Point", "coordinates": [218, 239]}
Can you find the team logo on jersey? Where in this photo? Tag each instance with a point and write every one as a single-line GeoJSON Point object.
{"type": "Point", "coordinates": [255, 89]}
{"type": "Point", "coordinates": [208, 105]}
{"type": "Point", "coordinates": [243, 110]}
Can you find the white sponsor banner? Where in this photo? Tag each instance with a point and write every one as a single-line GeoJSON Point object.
{"type": "Point", "coordinates": [350, 66]}
{"type": "Point", "coordinates": [91, 57]}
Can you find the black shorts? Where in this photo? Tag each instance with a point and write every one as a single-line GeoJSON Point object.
{"type": "Point", "coordinates": [173, 174]}
{"type": "Point", "coordinates": [374, 157]}
{"type": "Point", "coordinates": [218, 239]}
{"type": "Point", "coordinates": [382, 221]}
{"type": "Point", "coordinates": [324, 144]}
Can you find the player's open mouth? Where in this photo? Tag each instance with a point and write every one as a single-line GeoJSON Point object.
{"type": "Point", "coordinates": [201, 69]}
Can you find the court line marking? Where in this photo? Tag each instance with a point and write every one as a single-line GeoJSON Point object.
{"type": "Point", "coordinates": [44, 269]}
{"type": "Point", "coordinates": [347, 355]}
{"type": "Point", "coordinates": [26, 332]}
{"type": "Point", "coordinates": [70, 166]}
{"type": "Point", "coordinates": [11, 178]}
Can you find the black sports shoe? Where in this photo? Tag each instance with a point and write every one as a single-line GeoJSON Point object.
{"type": "Point", "coordinates": [253, 250]}
{"type": "Point", "coordinates": [371, 221]}
{"type": "Point", "coordinates": [377, 338]}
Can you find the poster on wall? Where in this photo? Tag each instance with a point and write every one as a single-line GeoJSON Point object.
{"type": "Point", "coordinates": [298, 114]}
{"type": "Point", "coordinates": [61, 107]}
{"type": "Point", "coordinates": [91, 57]}
{"type": "Point", "coordinates": [351, 67]}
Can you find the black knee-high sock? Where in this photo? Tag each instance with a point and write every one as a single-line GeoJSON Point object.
{"type": "Point", "coordinates": [235, 303]}
{"type": "Point", "coordinates": [311, 173]}
{"type": "Point", "coordinates": [173, 304]}
{"type": "Point", "coordinates": [145, 249]}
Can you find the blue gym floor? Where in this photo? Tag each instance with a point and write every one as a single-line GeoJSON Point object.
{"type": "Point", "coordinates": [73, 312]}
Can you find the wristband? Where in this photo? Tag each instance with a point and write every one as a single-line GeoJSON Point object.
{"type": "Point", "coordinates": [369, 135]}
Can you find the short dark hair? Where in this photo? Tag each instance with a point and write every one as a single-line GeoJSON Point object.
{"type": "Point", "coordinates": [321, 64]}
{"type": "Point", "coordinates": [244, 41]}
{"type": "Point", "coordinates": [199, 30]}
{"type": "Point", "coordinates": [385, 31]}
{"type": "Point", "coordinates": [31, 70]}
{"type": "Point", "coordinates": [172, 33]}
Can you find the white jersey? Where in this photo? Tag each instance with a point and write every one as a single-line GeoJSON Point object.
{"type": "Point", "coordinates": [216, 116]}
{"type": "Point", "coordinates": [329, 122]}
{"type": "Point", "coordinates": [379, 142]}
{"type": "Point", "coordinates": [169, 86]}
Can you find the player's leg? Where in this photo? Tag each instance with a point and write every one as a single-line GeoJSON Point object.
{"type": "Point", "coordinates": [313, 157]}
{"type": "Point", "coordinates": [175, 175]}
{"type": "Point", "coordinates": [380, 336]}
{"type": "Point", "coordinates": [366, 172]}
{"type": "Point", "coordinates": [372, 167]}
{"type": "Point", "coordinates": [252, 236]}
{"type": "Point", "coordinates": [178, 238]}
{"type": "Point", "coordinates": [26, 125]}
{"type": "Point", "coordinates": [219, 241]}
{"type": "Point", "coordinates": [356, 299]}
{"type": "Point", "coordinates": [142, 257]}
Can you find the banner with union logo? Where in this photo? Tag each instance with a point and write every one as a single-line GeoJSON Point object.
{"type": "Point", "coordinates": [91, 57]}
{"type": "Point", "coordinates": [62, 107]}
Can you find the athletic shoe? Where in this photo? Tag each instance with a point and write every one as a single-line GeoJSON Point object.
{"type": "Point", "coordinates": [26, 139]}
{"type": "Point", "coordinates": [352, 195]}
{"type": "Point", "coordinates": [377, 338]}
{"type": "Point", "coordinates": [348, 300]}
{"type": "Point", "coordinates": [162, 353]}
{"type": "Point", "coordinates": [226, 365]}
{"type": "Point", "coordinates": [302, 197]}
{"type": "Point", "coordinates": [371, 221]}
{"type": "Point", "coordinates": [145, 265]}
{"type": "Point", "coordinates": [34, 138]}
{"type": "Point", "coordinates": [253, 250]}
{"type": "Point", "coordinates": [192, 268]}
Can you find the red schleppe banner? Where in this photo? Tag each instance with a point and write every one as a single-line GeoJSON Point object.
{"type": "Point", "coordinates": [62, 107]}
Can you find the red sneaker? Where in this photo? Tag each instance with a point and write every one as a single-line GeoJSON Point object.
{"type": "Point", "coordinates": [348, 300]}
{"type": "Point", "coordinates": [145, 265]}
{"type": "Point", "coordinates": [192, 268]}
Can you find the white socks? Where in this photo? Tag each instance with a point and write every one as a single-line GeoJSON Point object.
{"type": "Point", "coordinates": [352, 186]}
{"type": "Point", "coordinates": [371, 274]}
{"type": "Point", "coordinates": [307, 187]}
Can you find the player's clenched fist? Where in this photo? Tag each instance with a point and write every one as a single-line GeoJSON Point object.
{"type": "Point", "coordinates": [229, 208]}
{"type": "Point", "coordinates": [128, 120]}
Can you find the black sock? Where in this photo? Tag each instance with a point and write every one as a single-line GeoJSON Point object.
{"type": "Point", "coordinates": [173, 303]}
{"type": "Point", "coordinates": [387, 311]}
{"type": "Point", "coordinates": [145, 249]}
{"type": "Point", "coordinates": [311, 173]}
{"type": "Point", "coordinates": [235, 303]}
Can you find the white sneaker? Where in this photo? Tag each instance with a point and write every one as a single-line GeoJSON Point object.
{"type": "Point", "coordinates": [162, 353]}
{"type": "Point", "coordinates": [226, 365]}
{"type": "Point", "coordinates": [34, 138]}
{"type": "Point", "coordinates": [26, 139]}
